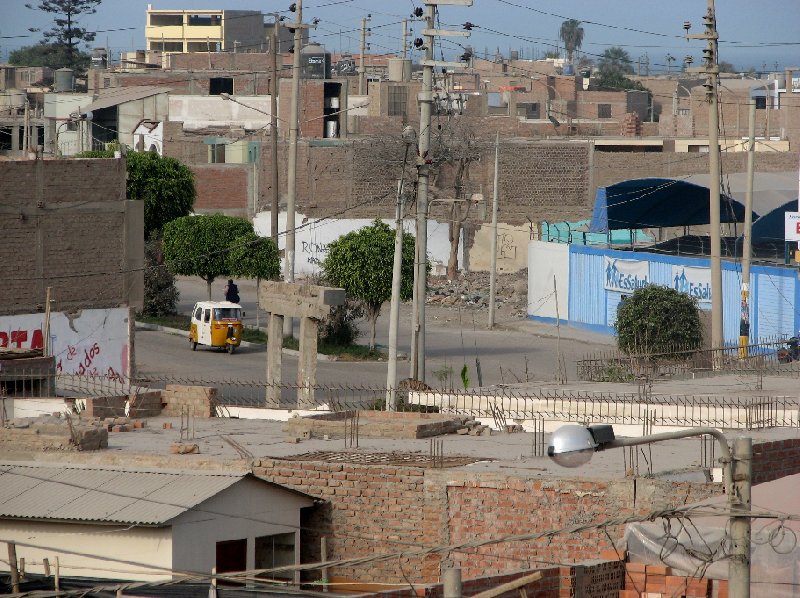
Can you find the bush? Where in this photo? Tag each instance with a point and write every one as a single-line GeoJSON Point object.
{"type": "Point", "coordinates": [658, 319]}
{"type": "Point", "coordinates": [340, 327]}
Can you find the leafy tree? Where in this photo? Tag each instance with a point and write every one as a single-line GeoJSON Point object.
{"type": "Point", "coordinates": [47, 55]}
{"type": "Point", "coordinates": [67, 34]}
{"type": "Point", "coordinates": [361, 263]}
{"type": "Point", "coordinates": [165, 184]}
{"type": "Point", "coordinates": [726, 67]}
{"type": "Point", "coordinates": [199, 245]}
{"type": "Point", "coordinates": [552, 54]}
{"type": "Point", "coordinates": [613, 68]}
{"type": "Point", "coordinates": [571, 33]}
{"type": "Point", "coordinates": [160, 293]}
{"type": "Point", "coordinates": [256, 257]}
{"type": "Point", "coordinates": [656, 319]}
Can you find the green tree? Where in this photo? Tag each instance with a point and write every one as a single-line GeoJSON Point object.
{"type": "Point", "coordinates": [361, 262]}
{"type": "Point", "coordinates": [199, 245]}
{"type": "Point", "coordinates": [613, 68]}
{"type": "Point", "coordinates": [47, 55]}
{"type": "Point", "coordinates": [256, 257]}
{"type": "Point", "coordinates": [160, 292]}
{"type": "Point", "coordinates": [656, 319]}
{"type": "Point", "coordinates": [165, 184]}
{"type": "Point", "coordinates": [67, 34]}
{"type": "Point", "coordinates": [571, 33]}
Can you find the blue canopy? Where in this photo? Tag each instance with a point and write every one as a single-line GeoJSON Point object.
{"type": "Point", "coordinates": [770, 227]}
{"type": "Point", "coordinates": [657, 203]}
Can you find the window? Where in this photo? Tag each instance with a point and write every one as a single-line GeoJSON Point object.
{"type": "Point", "coordinates": [216, 153]}
{"type": "Point", "coordinates": [498, 106]}
{"type": "Point", "coordinates": [157, 20]}
{"type": "Point", "coordinates": [275, 551]}
{"type": "Point", "coordinates": [218, 85]}
{"type": "Point", "coordinates": [106, 82]}
{"type": "Point", "coordinates": [227, 313]}
{"type": "Point", "coordinates": [604, 111]}
{"type": "Point", "coordinates": [528, 109]}
{"type": "Point", "coordinates": [761, 103]}
{"type": "Point", "coordinates": [207, 315]}
{"type": "Point", "coordinates": [198, 313]}
{"type": "Point", "coordinates": [231, 557]}
{"type": "Point", "coordinates": [398, 100]}
{"type": "Point", "coordinates": [160, 46]}
{"type": "Point", "coordinates": [203, 20]}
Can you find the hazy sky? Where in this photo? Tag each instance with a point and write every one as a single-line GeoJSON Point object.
{"type": "Point", "coordinates": [752, 34]}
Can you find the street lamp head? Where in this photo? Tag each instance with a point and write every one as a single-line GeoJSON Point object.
{"type": "Point", "coordinates": [571, 446]}
{"type": "Point", "coordinates": [409, 134]}
{"type": "Point", "coordinates": [225, 96]}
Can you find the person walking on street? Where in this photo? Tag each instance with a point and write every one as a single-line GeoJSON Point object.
{"type": "Point", "coordinates": [231, 292]}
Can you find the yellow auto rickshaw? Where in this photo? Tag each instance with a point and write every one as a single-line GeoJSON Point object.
{"type": "Point", "coordinates": [216, 324]}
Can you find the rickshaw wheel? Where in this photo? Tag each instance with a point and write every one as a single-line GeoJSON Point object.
{"type": "Point", "coordinates": [194, 345]}
{"type": "Point", "coordinates": [231, 349]}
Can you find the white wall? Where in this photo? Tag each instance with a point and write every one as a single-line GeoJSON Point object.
{"type": "Point", "coordinates": [101, 548]}
{"type": "Point", "coordinates": [198, 112]}
{"type": "Point", "coordinates": [512, 243]}
{"type": "Point", "coordinates": [88, 342]}
{"type": "Point", "coordinates": [311, 241]}
{"type": "Point", "coordinates": [255, 509]}
{"type": "Point", "coordinates": [546, 260]}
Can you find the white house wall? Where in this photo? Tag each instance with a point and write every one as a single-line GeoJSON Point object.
{"type": "Point", "coordinates": [87, 342]}
{"type": "Point", "coordinates": [248, 509]}
{"type": "Point", "coordinates": [87, 550]}
{"type": "Point", "coordinates": [512, 243]}
{"type": "Point", "coordinates": [199, 112]}
{"type": "Point", "coordinates": [130, 114]}
{"type": "Point", "coordinates": [312, 239]}
{"type": "Point", "coordinates": [546, 262]}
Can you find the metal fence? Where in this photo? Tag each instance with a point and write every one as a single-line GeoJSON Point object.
{"type": "Point", "coordinates": [759, 358]}
{"type": "Point", "coordinates": [500, 406]}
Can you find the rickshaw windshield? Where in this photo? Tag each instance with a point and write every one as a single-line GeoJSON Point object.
{"type": "Point", "coordinates": [227, 313]}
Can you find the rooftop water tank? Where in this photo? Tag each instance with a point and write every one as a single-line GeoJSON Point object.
{"type": "Point", "coordinates": [64, 80]}
{"type": "Point", "coordinates": [315, 62]}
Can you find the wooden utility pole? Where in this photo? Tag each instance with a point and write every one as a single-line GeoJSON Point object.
{"type": "Point", "coordinates": [747, 234]}
{"type": "Point", "coordinates": [362, 68]}
{"type": "Point", "coordinates": [493, 270]}
{"type": "Point", "coordinates": [12, 565]}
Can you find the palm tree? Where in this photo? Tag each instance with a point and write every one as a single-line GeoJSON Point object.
{"type": "Point", "coordinates": [571, 33]}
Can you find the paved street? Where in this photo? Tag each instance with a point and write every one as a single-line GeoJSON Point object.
{"type": "Point", "coordinates": [453, 339]}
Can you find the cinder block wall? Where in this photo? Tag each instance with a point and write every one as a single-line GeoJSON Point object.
{"type": "Point", "coordinates": [201, 400]}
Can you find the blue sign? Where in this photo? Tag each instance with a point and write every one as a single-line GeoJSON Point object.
{"type": "Point", "coordinates": [695, 282]}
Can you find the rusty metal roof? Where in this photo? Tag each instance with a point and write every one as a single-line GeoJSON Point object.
{"type": "Point", "coordinates": [104, 495]}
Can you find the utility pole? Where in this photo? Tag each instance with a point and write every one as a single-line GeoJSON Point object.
{"type": "Point", "coordinates": [493, 270]}
{"type": "Point", "coordinates": [291, 182]}
{"type": "Point", "coordinates": [397, 279]}
{"type": "Point", "coordinates": [273, 130]}
{"type": "Point", "coordinates": [423, 167]}
{"type": "Point", "coordinates": [739, 501]}
{"type": "Point", "coordinates": [362, 68]}
{"type": "Point", "coordinates": [747, 235]}
{"type": "Point", "coordinates": [711, 70]}
{"type": "Point", "coordinates": [404, 47]}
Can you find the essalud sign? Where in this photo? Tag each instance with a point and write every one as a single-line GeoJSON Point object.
{"type": "Point", "coordinates": [628, 275]}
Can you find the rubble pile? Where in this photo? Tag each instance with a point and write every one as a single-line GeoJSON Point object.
{"type": "Point", "coordinates": [471, 290]}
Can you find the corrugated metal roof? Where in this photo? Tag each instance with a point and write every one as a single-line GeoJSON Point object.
{"type": "Point", "coordinates": [107, 495]}
{"type": "Point", "coordinates": [119, 95]}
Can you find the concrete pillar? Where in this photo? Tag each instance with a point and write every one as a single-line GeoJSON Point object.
{"type": "Point", "coordinates": [274, 354]}
{"type": "Point", "coordinates": [15, 129]}
{"type": "Point", "coordinates": [307, 363]}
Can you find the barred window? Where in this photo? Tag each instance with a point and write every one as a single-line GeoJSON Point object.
{"type": "Point", "coordinates": [604, 111]}
{"type": "Point", "coordinates": [398, 100]}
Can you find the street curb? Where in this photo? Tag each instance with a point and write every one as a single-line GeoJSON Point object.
{"type": "Point", "coordinates": [178, 332]}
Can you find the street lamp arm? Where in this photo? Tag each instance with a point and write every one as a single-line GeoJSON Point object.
{"type": "Point", "coordinates": [720, 437]}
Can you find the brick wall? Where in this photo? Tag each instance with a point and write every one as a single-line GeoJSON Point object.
{"type": "Point", "coordinates": [64, 226]}
{"type": "Point", "coordinates": [222, 187]}
{"type": "Point", "coordinates": [775, 460]}
{"type": "Point", "coordinates": [379, 509]}
{"type": "Point", "coordinates": [201, 400]}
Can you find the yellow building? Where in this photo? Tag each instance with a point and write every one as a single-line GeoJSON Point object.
{"type": "Point", "coordinates": [172, 31]}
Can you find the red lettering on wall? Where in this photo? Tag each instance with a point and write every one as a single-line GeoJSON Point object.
{"type": "Point", "coordinates": [18, 337]}
{"type": "Point", "coordinates": [37, 340]}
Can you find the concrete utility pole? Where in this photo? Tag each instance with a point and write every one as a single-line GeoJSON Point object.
{"type": "Point", "coordinates": [747, 234]}
{"type": "Point", "coordinates": [362, 68]}
{"type": "Point", "coordinates": [423, 166]}
{"type": "Point", "coordinates": [741, 473]}
{"type": "Point", "coordinates": [273, 130]}
{"type": "Point", "coordinates": [291, 182]}
{"type": "Point", "coordinates": [711, 70]}
{"type": "Point", "coordinates": [493, 271]}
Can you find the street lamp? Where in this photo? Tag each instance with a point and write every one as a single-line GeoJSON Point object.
{"type": "Point", "coordinates": [573, 446]}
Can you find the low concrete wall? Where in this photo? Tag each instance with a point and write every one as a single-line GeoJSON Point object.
{"type": "Point", "coordinates": [53, 434]}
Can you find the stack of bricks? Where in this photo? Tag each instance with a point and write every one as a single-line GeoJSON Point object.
{"type": "Point", "coordinates": [631, 125]}
{"type": "Point", "coordinates": [658, 581]}
{"type": "Point", "coordinates": [200, 400]}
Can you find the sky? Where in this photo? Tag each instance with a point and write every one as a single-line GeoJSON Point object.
{"type": "Point", "coordinates": [752, 34]}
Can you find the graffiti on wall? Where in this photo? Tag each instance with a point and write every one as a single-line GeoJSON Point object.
{"type": "Point", "coordinates": [91, 342]}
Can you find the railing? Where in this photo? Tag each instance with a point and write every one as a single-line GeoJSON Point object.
{"type": "Point", "coordinates": [759, 358]}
